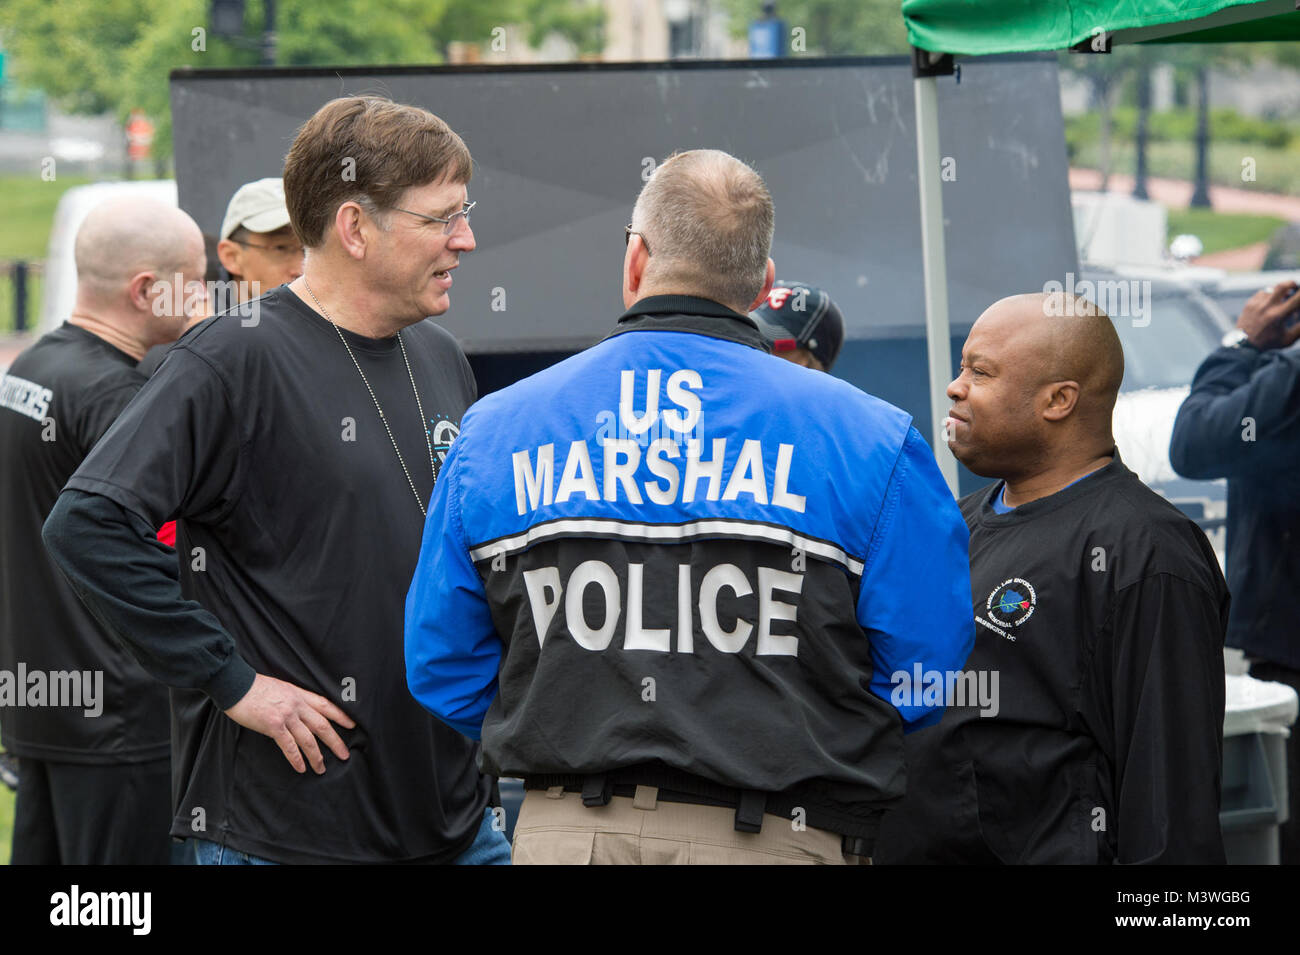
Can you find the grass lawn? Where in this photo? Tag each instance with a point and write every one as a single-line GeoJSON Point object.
{"type": "Point", "coordinates": [26, 215]}
{"type": "Point", "coordinates": [27, 212]}
{"type": "Point", "coordinates": [1220, 231]}
{"type": "Point", "coordinates": [6, 823]}
{"type": "Point", "coordinates": [1274, 169]}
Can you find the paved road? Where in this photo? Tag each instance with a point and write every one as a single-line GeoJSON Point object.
{"type": "Point", "coordinates": [1178, 192]}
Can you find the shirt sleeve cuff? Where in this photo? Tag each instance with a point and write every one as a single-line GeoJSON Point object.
{"type": "Point", "coordinates": [230, 683]}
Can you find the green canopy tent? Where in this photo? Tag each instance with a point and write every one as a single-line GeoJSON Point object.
{"type": "Point", "coordinates": [942, 30]}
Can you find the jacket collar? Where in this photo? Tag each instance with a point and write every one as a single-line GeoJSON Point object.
{"type": "Point", "coordinates": [689, 313]}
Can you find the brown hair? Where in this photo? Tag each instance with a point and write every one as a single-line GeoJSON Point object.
{"type": "Point", "coordinates": [369, 150]}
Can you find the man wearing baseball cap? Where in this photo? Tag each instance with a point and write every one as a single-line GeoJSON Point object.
{"type": "Point", "coordinates": [802, 324]}
{"type": "Point", "coordinates": [257, 244]}
{"type": "Point", "coordinates": [258, 249]}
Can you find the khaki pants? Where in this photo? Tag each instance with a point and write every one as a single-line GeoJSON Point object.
{"type": "Point", "coordinates": [555, 828]}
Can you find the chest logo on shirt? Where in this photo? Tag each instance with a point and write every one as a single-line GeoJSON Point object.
{"type": "Point", "coordinates": [1011, 603]}
{"type": "Point", "coordinates": [442, 434]}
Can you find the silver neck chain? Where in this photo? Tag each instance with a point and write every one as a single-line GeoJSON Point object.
{"type": "Point", "coordinates": [383, 417]}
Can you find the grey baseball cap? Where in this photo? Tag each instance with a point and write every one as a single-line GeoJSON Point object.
{"type": "Point", "coordinates": [258, 206]}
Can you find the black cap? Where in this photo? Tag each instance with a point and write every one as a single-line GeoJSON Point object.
{"type": "Point", "coordinates": [798, 315]}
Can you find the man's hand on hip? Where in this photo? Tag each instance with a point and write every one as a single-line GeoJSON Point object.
{"type": "Point", "coordinates": [294, 718]}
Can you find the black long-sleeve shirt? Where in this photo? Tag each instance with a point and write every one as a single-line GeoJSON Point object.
{"type": "Point", "coordinates": [298, 533]}
{"type": "Point", "coordinates": [1101, 610]}
{"type": "Point", "coordinates": [106, 552]}
{"type": "Point", "coordinates": [1242, 422]}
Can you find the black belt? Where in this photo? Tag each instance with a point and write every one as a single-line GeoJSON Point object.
{"type": "Point", "coordinates": [598, 788]}
{"type": "Point", "coordinates": [673, 786]}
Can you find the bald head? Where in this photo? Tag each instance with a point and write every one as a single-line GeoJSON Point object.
{"type": "Point", "coordinates": [1065, 338]}
{"type": "Point", "coordinates": [121, 238]}
{"type": "Point", "coordinates": [1040, 375]}
{"type": "Point", "coordinates": [140, 265]}
{"type": "Point", "coordinates": [707, 219]}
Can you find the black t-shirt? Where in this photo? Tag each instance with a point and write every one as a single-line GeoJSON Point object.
{"type": "Point", "coordinates": [56, 400]}
{"type": "Point", "coordinates": [298, 530]}
{"type": "Point", "coordinates": [1102, 611]}
{"type": "Point", "coordinates": [153, 358]}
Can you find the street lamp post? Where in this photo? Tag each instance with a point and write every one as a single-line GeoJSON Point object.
{"type": "Point", "coordinates": [268, 34]}
{"type": "Point", "coordinates": [1201, 195]}
{"type": "Point", "coordinates": [1140, 144]}
{"type": "Point", "coordinates": [228, 22]}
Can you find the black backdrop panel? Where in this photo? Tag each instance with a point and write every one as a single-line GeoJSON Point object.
{"type": "Point", "coordinates": [560, 153]}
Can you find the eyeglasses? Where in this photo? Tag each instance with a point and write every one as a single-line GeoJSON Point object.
{"type": "Point", "coordinates": [627, 237]}
{"type": "Point", "coordinates": [449, 224]}
{"type": "Point", "coordinates": [283, 251]}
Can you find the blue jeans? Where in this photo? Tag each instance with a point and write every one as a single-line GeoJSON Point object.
{"type": "Point", "coordinates": [204, 852]}
{"type": "Point", "coordinates": [489, 848]}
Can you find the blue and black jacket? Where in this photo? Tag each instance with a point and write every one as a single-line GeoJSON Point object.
{"type": "Point", "coordinates": [1242, 422]}
{"type": "Point", "coordinates": [677, 549]}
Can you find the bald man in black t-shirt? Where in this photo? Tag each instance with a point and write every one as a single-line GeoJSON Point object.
{"type": "Point", "coordinates": [89, 726]}
{"type": "Point", "coordinates": [1095, 734]}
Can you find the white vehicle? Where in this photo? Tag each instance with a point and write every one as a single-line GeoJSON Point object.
{"type": "Point", "coordinates": [1169, 327]}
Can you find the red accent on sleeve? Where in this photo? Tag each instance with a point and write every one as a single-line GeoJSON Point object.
{"type": "Point", "coordinates": [167, 534]}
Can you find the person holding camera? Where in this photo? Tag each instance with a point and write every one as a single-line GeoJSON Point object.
{"type": "Point", "coordinates": [1242, 422]}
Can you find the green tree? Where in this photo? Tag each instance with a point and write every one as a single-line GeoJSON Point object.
{"type": "Point", "coordinates": [1111, 75]}
{"type": "Point", "coordinates": [583, 24]}
{"type": "Point", "coordinates": [94, 56]}
{"type": "Point", "coordinates": [580, 21]}
{"type": "Point", "coordinates": [1282, 54]}
{"type": "Point", "coordinates": [1193, 63]}
{"type": "Point", "coordinates": [1105, 74]}
{"type": "Point", "coordinates": [74, 50]}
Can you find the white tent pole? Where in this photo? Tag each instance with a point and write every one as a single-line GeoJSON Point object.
{"type": "Point", "coordinates": [936, 269]}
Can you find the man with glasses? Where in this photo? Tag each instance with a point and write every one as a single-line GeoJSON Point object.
{"type": "Point", "coordinates": [257, 244]}
{"type": "Point", "coordinates": [298, 454]}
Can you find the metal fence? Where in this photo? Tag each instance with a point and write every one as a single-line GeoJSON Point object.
{"type": "Point", "coordinates": [21, 283]}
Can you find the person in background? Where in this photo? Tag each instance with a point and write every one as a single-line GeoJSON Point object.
{"type": "Point", "coordinates": [1241, 421]}
{"type": "Point", "coordinates": [94, 783]}
{"type": "Point", "coordinates": [801, 324]}
{"type": "Point", "coordinates": [258, 251]}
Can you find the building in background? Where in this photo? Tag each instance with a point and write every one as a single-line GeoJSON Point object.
{"type": "Point", "coordinates": [634, 30]}
{"type": "Point", "coordinates": [670, 30]}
